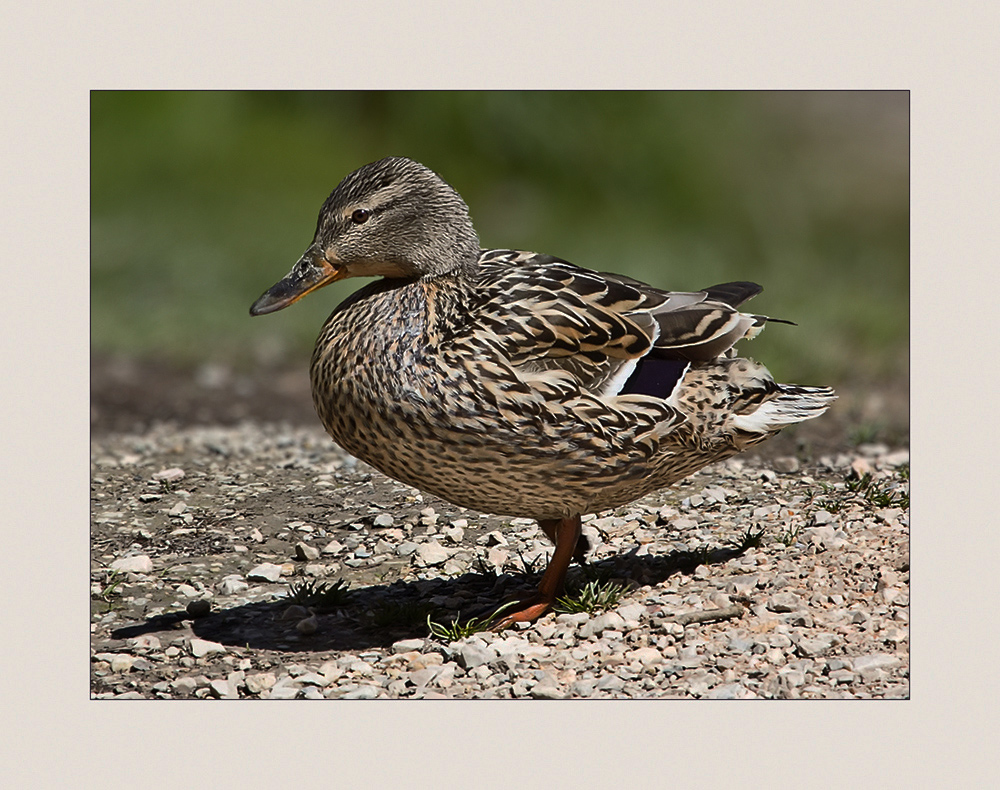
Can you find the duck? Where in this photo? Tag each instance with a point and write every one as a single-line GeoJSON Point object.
{"type": "Point", "coordinates": [517, 383]}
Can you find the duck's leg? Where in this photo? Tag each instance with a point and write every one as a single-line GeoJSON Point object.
{"type": "Point", "coordinates": [565, 533]}
{"type": "Point", "coordinates": [582, 544]}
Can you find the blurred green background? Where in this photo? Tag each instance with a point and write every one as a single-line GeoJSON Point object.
{"type": "Point", "coordinates": [202, 200]}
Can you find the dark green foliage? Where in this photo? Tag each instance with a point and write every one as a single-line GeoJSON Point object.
{"type": "Point", "coordinates": [202, 200]}
{"type": "Point", "coordinates": [319, 595]}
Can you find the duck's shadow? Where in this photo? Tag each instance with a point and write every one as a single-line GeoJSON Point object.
{"type": "Point", "coordinates": [378, 616]}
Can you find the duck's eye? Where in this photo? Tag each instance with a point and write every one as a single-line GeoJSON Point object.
{"type": "Point", "coordinates": [360, 216]}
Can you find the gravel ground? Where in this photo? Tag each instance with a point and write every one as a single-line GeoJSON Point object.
{"type": "Point", "coordinates": [200, 535]}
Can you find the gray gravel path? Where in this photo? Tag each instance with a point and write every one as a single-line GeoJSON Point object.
{"type": "Point", "coordinates": [200, 535]}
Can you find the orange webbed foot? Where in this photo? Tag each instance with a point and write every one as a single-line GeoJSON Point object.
{"type": "Point", "coordinates": [523, 612]}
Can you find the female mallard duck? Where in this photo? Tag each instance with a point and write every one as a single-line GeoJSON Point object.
{"type": "Point", "coordinates": [516, 383]}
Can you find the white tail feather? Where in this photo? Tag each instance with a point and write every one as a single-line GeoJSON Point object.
{"type": "Point", "coordinates": [794, 405]}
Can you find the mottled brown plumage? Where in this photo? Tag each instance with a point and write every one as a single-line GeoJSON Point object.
{"type": "Point", "coordinates": [516, 383]}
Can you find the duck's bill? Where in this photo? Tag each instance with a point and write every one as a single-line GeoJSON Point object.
{"type": "Point", "coordinates": [311, 272]}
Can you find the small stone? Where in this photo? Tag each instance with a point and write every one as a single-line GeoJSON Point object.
{"type": "Point", "coordinates": [888, 515]}
{"type": "Point", "coordinates": [333, 547]}
{"type": "Point", "coordinates": [472, 655]}
{"type": "Point", "coordinates": [861, 467]}
{"type": "Point", "coordinates": [783, 602]}
{"type": "Point", "coordinates": [137, 564]}
{"type": "Point", "coordinates": [729, 691]}
{"type": "Point", "coordinates": [265, 572]}
{"type": "Point", "coordinates": [232, 585]}
{"type": "Point", "coordinates": [842, 676]}
{"type": "Point", "coordinates": [222, 689]}
{"type": "Point", "coordinates": [202, 647]}
{"type": "Point", "coordinates": [787, 463]}
{"type": "Point", "coordinates": [606, 622]}
{"type": "Point", "coordinates": [406, 548]}
{"type": "Point", "coordinates": [308, 626]}
{"type": "Point", "coordinates": [305, 552]}
{"type": "Point", "coordinates": [896, 635]}
{"type": "Point", "coordinates": [647, 656]}
{"type": "Point", "coordinates": [122, 662]}
{"type": "Point", "coordinates": [632, 611]}
{"type": "Point", "coordinates": [171, 475]}
{"type": "Point", "coordinates": [871, 665]}
{"type": "Point", "coordinates": [284, 692]}
{"type": "Point", "coordinates": [421, 677]}
{"type": "Point", "coordinates": [689, 657]}
{"type": "Point", "coordinates": [260, 682]}
{"type": "Point", "coordinates": [583, 688]}
{"type": "Point", "coordinates": [739, 645]}
{"type": "Point", "coordinates": [362, 692]}
{"type": "Point", "coordinates": [610, 683]}
{"type": "Point", "coordinates": [741, 585]}
{"type": "Point", "coordinates": [497, 556]}
{"type": "Point", "coordinates": [432, 553]}
{"type": "Point", "coordinates": [539, 691]}
{"type": "Point", "coordinates": [495, 538]}
{"type": "Point", "coordinates": [383, 520]}
{"type": "Point", "coordinates": [446, 676]}
{"type": "Point", "coordinates": [812, 647]}
{"type": "Point", "coordinates": [145, 642]}
{"type": "Point", "coordinates": [407, 645]}
{"type": "Point", "coordinates": [714, 494]}
{"type": "Point", "coordinates": [184, 685]}
{"type": "Point", "coordinates": [187, 590]}
{"type": "Point", "coordinates": [198, 608]}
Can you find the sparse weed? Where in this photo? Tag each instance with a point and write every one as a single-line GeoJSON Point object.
{"type": "Point", "coordinates": [319, 595]}
{"type": "Point", "coordinates": [592, 597]}
{"type": "Point", "coordinates": [830, 505]}
{"type": "Point", "coordinates": [858, 484]}
{"type": "Point", "coordinates": [750, 539]}
{"type": "Point", "coordinates": [535, 566]}
{"type": "Point", "coordinates": [701, 555]}
{"type": "Point", "coordinates": [789, 536]}
{"type": "Point", "coordinates": [455, 630]}
{"type": "Point", "coordinates": [878, 494]}
{"type": "Point", "coordinates": [485, 567]}
{"type": "Point", "coordinates": [110, 590]}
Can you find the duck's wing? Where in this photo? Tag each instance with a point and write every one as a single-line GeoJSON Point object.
{"type": "Point", "coordinates": [613, 334]}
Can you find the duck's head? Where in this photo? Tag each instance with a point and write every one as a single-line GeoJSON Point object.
{"type": "Point", "coordinates": [393, 218]}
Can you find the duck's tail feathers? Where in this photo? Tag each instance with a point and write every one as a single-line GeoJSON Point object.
{"type": "Point", "coordinates": [795, 404]}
